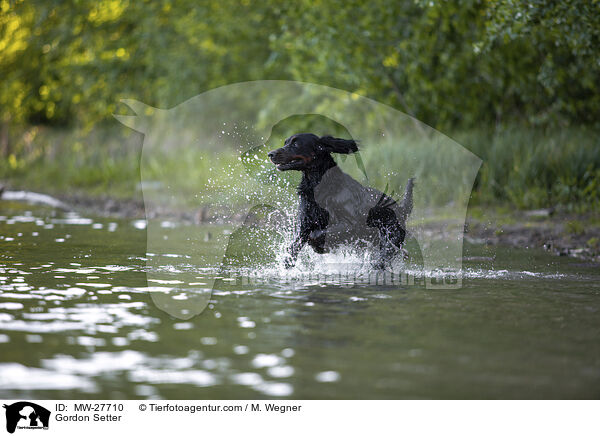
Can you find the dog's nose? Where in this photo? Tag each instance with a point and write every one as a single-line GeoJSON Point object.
{"type": "Point", "coordinates": [271, 154]}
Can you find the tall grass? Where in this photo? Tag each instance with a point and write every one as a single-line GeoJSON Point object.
{"type": "Point", "coordinates": [104, 162]}
{"type": "Point", "coordinates": [523, 167]}
{"type": "Point", "coordinates": [534, 168]}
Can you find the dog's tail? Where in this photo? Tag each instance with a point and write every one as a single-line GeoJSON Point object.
{"type": "Point", "coordinates": [386, 200]}
{"type": "Point", "coordinates": [406, 205]}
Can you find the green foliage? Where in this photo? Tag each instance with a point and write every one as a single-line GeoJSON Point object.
{"type": "Point", "coordinates": [561, 40]}
{"type": "Point", "coordinates": [575, 228]}
{"type": "Point", "coordinates": [71, 62]}
{"type": "Point", "coordinates": [470, 66]}
{"type": "Point", "coordinates": [448, 63]}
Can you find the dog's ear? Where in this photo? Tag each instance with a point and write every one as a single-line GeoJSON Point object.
{"type": "Point", "coordinates": [338, 145]}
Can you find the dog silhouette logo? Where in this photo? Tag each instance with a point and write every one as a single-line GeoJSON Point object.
{"type": "Point", "coordinates": [224, 136]}
{"type": "Point", "coordinates": [26, 415]}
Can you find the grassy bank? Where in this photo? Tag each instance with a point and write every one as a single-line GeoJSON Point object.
{"type": "Point", "coordinates": [523, 167]}
{"type": "Point", "coordinates": [530, 168]}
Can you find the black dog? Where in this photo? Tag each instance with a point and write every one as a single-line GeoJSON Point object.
{"type": "Point", "coordinates": [334, 208]}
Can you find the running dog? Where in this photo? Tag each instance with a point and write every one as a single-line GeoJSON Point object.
{"type": "Point", "coordinates": [335, 209]}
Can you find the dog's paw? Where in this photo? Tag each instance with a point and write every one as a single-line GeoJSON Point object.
{"type": "Point", "coordinates": [289, 262]}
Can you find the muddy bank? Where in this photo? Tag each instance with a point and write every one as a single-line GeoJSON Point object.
{"type": "Point", "coordinates": [562, 234]}
{"type": "Point", "coordinates": [105, 206]}
{"type": "Point", "coordinates": [80, 203]}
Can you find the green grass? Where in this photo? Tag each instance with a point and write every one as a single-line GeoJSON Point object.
{"type": "Point", "coordinates": [575, 228]}
{"type": "Point", "coordinates": [58, 161]}
{"type": "Point", "coordinates": [523, 167]}
{"type": "Point", "coordinates": [534, 168]}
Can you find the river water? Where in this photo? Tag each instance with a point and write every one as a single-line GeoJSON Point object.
{"type": "Point", "coordinates": [78, 321]}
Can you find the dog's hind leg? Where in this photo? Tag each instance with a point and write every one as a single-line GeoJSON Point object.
{"type": "Point", "coordinates": [316, 239]}
{"type": "Point", "coordinates": [391, 241]}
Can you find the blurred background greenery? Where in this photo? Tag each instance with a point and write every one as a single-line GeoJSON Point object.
{"type": "Point", "coordinates": [516, 82]}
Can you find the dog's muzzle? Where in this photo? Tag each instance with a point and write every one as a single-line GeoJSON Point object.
{"type": "Point", "coordinates": [285, 162]}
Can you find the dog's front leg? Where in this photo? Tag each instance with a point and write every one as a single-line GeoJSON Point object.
{"type": "Point", "coordinates": [294, 250]}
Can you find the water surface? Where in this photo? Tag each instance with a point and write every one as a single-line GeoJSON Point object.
{"type": "Point", "coordinates": [77, 322]}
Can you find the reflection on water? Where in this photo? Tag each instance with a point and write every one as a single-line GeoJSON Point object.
{"type": "Point", "coordinates": [77, 321]}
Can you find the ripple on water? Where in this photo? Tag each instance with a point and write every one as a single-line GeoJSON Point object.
{"type": "Point", "coordinates": [196, 377]}
{"type": "Point", "coordinates": [14, 376]}
{"type": "Point", "coordinates": [68, 293]}
{"type": "Point", "coordinates": [139, 224]}
{"type": "Point", "coordinates": [11, 306]}
{"type": "Point", "coordinates": [240, 349]}
{"type": "Point", "coordinates": [327, 376]}
{"type": "Point", "coordinates": [246, 379]}
{"type": "Point", "coordinates": [246, 323]}
{"type": "Point", "coordinates": [98, 362]}
{"type": "Point", "coordinates": [208, 340]}
{"type": "Point", "coordinates": [75, 270]}
{"type": "Point", "coordinates": [275, 389]}
{"type": "Point", "coordinates": [16, 296]}
{"type": "Point", "coordinates": [266, 360]}
{"type": "Point", "coordinates": [85, 317]}
{"type": "Point", "coordinates": [142, 335]}
{"type": "Point", "coordinates": [282, 371]}
{"type": "Point", "coordinates": [94, 285]}
{"type": "Point", "coordinates": [73, 220]}
{"type": "Point", "coordinates": [115, 268]}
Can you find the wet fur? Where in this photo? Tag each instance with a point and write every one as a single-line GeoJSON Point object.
{"type": "Point", "coordinates": [334, 208]}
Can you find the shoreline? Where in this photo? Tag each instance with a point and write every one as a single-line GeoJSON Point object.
{"type": "Point", "coordinates": [559, 233]}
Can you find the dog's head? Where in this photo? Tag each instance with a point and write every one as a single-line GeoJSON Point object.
{"type": "Point", "coordinates": [304, 151]}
